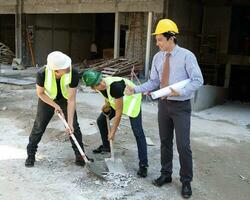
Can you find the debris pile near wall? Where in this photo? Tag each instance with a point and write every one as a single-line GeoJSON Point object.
{"type": "Point", "coordinates": [112, 67]}
{"type": "Point", "coordinates": [6, 55]}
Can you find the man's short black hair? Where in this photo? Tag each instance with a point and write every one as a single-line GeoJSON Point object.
{"type": "Point", "coordinates": [168, 35]}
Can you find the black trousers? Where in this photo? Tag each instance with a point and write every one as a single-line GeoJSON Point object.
{"type": "Point", "coordinates": [175, 115]}
{"type": "Point", "coordinates": [136, 124]}
{"type": "Point", "coordinates": [44, 114]}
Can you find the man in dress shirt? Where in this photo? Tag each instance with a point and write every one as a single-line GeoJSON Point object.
{"type": "Point", "coordinates": [170, 65]}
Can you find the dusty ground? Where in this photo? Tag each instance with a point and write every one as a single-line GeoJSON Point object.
{"type": "Point", "coordinates": [220, 144]}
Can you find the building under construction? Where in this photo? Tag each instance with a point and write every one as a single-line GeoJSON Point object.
{"type": "Point", "coordinates": [217, 31]}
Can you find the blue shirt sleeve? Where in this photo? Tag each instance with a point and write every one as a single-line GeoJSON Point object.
{"type": "Point", "coordinates": [153, 81]}
{"type": "Point", "coordinates": [195, 75]}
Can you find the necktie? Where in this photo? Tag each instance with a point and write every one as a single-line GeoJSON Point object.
{"type": "Point", "coordinates": [165, 72]}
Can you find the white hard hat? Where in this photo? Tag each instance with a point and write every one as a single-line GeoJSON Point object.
{"type": "Point", "coordinates": [57, 60]}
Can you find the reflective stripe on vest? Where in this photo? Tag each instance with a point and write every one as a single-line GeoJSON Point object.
{"type": "Point", "coordinates": [51, 86]}
{"type": "Point", "coordinates": [131, 104]}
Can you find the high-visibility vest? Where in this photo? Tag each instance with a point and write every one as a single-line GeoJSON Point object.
{"type": "Point", "coordinates": [51, 86]}
{"type": "Point", "coordinates": [131, 104]}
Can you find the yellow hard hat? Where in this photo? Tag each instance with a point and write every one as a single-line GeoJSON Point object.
{"type": "Point", "coordinates": [166, 25]}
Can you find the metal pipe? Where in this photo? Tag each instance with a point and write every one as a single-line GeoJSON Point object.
{"type": "Point", "coordinates": [117, 35]}
{"type": "Point", "coordinates": [18, 29]}
{"type": "Point", "coordinates": [148, 44]}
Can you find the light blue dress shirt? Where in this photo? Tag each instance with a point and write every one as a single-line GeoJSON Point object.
{"type": "Point", "coordinates": [183, 65]}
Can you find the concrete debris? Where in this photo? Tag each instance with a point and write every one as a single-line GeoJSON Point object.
{"type": "Point", "coordinates": [118, 181]}
{"type": "Point", "coordinates": [248, 126]}
{"type": "Point", "coordinates": [17, 64]}
{"type": "Point", "coordinates": [111, 67]}
{"type": "Point", "coordinates": [6, 55]}
{"type": "Point", "coordinates": [242, 177]}
{"type": "Point", "coordinates": [112, 181]}
{"type": "Point", "coordinates": [149, 141]}
{"type": "Point", "coordinates": [4, 108]}
{"type": "Point", "coordinates": [15, 81]}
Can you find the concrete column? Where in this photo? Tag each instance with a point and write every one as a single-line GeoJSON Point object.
{"type": "Point", "coordinates": [227, 75]}
{"type": "Point", "coordinates": [117, 36]}
{"type": "Point", "coordinates": [18, 29]}
{"type": "Point", "coordinates": [148, 44]}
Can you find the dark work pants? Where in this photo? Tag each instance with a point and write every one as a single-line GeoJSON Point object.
{"type": "Point", "coordinates": [175, 115]}
{"type": "Point", "coordinates": [44, 114]}
{"type": "Point", "coordinates": [136, 124]}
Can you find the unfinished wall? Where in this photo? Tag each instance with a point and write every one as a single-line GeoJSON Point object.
{"type": "Point", "coordinates": [83, 6]}
{"type": "Point", "coordinates": [104, 35]}
{"type": "Point", "coordinates": [7, 30]}
{"type": "Point", "coordinates": [70, 34]}
{"type": "Point", "coordinates": [135, 47]}
{"type": "Point", "coordinates": [188, 17]}
{"type": "Point", "coordinates": [208, 96]}
{"type": "Point", "coordinates": [217, 24]}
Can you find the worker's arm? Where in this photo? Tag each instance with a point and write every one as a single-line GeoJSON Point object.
{"type": "Point", "coordinates": [45, 98]}
{"type": "Point", "coordinates": [71, 107]}
{"type": "Point", "coordinates": [152, 83]}
{"type": "Point", "coordinates": [117, 118]}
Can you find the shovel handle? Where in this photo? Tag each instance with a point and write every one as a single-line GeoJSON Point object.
{"type": "Point", "coordinates": [110, 141]}
{"type": "Point", "coordinates": [74, 138]}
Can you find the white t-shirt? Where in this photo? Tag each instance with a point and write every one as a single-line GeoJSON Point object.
{"type": "Point", "coordinates": [93, 48]}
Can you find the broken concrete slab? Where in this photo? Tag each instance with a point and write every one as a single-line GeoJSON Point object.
{"type": "Point", "coordinates": [149, 141]}
{"type": "Point", "coordinates": [88, 126]}
{"type": "Point", "coordinates": [16, 81]}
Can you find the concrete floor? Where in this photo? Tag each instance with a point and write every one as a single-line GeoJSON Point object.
{"type": "Point", "coordinates": [220, 140]}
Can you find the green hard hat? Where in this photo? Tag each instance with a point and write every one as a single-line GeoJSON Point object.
{"type": "Point", "coordinates": [91, 77]}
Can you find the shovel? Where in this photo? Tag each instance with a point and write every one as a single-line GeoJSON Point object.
{"type": "Point", "coordinates": [114, 165]}
{"type": "Point", "coordinates": [90, 165]}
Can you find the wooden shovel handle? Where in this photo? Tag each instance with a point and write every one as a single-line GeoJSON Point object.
{"type": "Point", "coordinates": [110, 141]}
{"type": "Point", "coordinates": [74, 138]}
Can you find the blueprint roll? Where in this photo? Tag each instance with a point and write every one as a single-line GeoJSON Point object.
{"type": "Point", "coordinates": [166, 90]}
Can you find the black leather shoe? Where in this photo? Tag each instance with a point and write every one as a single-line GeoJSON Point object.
{"type": "Point", "coordinates": [29, 162]}
{"type": "Point", "coordinates": [80, 161]}
{"type": "Point", "coordinates": [162, 180]}
{"type": "Point", "coordinates": [186, 190]}
{"type": "Point", "coordinates": [101, 149]}
{"type": "Point", "coordinates": [142, 171]}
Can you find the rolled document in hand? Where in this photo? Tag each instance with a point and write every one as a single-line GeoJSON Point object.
{"type": "Point", "coordinates": [166, 90]}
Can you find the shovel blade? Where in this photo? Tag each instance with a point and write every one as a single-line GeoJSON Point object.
{"type": "Point", "coordinates": [115, 165]}
{"type": "Point", "coordinates": [94, 169]}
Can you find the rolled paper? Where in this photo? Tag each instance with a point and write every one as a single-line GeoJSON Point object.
{"type": "Point", "coordinates": [166, 90]}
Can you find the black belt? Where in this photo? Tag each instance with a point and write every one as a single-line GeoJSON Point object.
{"type": "Point", "coordinates": [175, 101]}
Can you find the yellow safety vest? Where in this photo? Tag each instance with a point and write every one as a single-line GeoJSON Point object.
{"type": "Point", "coordinates": [51, 86]}
{"type": "Point", "coordinates": [131, 104]}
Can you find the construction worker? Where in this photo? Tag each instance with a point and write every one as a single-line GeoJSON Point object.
{"type": "Point", "coordinates": [170, 65]}
{"type": "Point", "coordinates": [93, 51]}
{"type": "Point", "coordinates": [116, 104]}
{"type": "Point", "coordinates": [56, 86]}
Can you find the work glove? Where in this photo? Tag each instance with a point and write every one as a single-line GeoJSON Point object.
{"type": "Point", "coordinates": [106, 109]}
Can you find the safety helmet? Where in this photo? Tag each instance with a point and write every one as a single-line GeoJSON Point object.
{"type": "Point", "coordinates": [166, 25]}
{"type": "Point", "coordinates": [57, 60]}
{"type": "Point", "coordinates": [91, 77]}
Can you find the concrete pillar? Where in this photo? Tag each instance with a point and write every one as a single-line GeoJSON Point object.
{"type": "Point", "coordinates": [117, 36]}
{"type": "Point", "coordinates": [18, 29]}
{"type": "Point", "coordinates": [227, 75]}
{"type": "Point", "coordinates": [148, 44]}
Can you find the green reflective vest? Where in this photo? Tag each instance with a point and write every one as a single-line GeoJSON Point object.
{"type": "Point", "coordinates": [131, 104]}
{"type": "Point", "coordinates": [51, 86]}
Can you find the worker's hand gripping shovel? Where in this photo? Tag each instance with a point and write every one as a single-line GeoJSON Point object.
{"type": "Point", "coordinates": [90, 165]}
{"type": "Point", "coordinates": [115, 165]}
